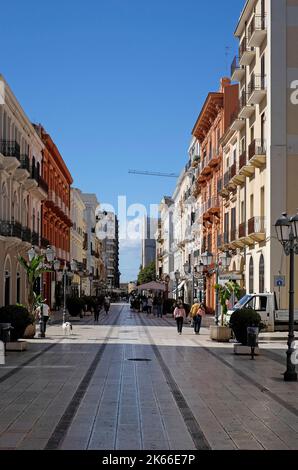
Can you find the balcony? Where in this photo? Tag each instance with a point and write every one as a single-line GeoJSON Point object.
{"type": "Point", "coordinates": [245, 169]}
{"type": "Point", "coordinates": [237, 123]}
{"type": "Point", "coordinates": [246, 53]}
{"type": "Point", "coordinates": [10, 229]}
{"type": "Point", "coordinates": [205, 167]}
{"type": "Point", "coordinates": [241, 237]}
{"type": "Point", "coordinates": [245, 109]}
{"type": "Point", "coordinates": [214, 157]}
{"type": "Point", "coordinates": [257, 153]}
{"type": "Point", "coordinates": [9, 154]}
{"type": "Point", "coordinates": [257, 89]}
{"type": "Point", "coordinates": [256, 229]}
{"type": "Point", "coordinates": [237, 70]}
{"type": "Point", "coordinates": [257, 31]}
{"type": "Point", "coordinates": [23, 170]}
{"type": "Point", "coordinates": [214, 205]}
{"type": "Point", "coordinates": [27, 235]}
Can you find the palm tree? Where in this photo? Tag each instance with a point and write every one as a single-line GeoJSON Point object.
{"type": "Point", "coordinates": [225, 293]}
{"type": "Point", "coordinates": [34, 270]}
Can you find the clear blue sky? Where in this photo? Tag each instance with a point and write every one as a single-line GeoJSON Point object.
{"type": "Point", "coordinates": [118, 84]}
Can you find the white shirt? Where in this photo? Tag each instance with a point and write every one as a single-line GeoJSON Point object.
{"type": "Point", "coordinates": [44, 310]}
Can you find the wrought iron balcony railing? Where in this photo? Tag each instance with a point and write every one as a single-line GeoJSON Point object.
{"type": "Point", "coordinates": [10, 148]}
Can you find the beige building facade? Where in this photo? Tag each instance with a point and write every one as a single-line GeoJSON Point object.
{"type": "Point", "coordinates": [22, 189]}
{"type": "Point", "coordinates": [261, 147]}
{"type": "Point", "coordinates": [77, 236]}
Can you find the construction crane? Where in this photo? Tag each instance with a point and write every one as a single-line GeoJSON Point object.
{"type": "Point", "coordinates": [153, 173]}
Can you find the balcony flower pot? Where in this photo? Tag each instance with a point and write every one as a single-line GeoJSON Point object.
{"type": "Point", "coordinates": [222, 334]}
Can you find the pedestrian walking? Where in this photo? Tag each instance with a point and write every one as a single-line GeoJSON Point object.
{"type": "Point", "coordinates": [159, 306]}
{"type": "Point", "coordinates": [96, 312]}
{"type": "Point", "coordinates": [179, 315]}
{"type": "Point", "coordinates": [149, 306]}
{"type": "Point", "coordinates": [106, 304]}
{"type": "Point", "coordinates": [197, 311]}
{"type": "Point", "coordinates": [43, 313]}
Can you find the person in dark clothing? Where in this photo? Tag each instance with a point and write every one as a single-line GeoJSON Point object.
{"type": "Point", "coordinates": [96, 312]}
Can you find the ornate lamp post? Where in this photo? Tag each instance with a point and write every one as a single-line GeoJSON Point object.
{"type": "Point", "coordinates": [224, 261]}
{"type": "Point", "coordinates": [194, 273]}
{"type": "Point", "coordinates": [287, 234]}
{"type": "Point", "coordinates": [177, 278]}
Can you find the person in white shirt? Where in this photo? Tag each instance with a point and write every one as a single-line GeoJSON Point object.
{"type": "Point", "coordinates": [43, 313]}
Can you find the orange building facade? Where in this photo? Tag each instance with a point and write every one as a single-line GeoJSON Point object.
{"type": "Point", "coordinates": [56, 222]}
{"type": "Point", "coordinates": [211, 125]}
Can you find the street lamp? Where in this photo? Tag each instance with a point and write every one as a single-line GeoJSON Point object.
{"type": "Point", "coordinates": [90, 279]}
{"type": "Point", "coordinates": [73, 268]}
{"type": "Point", "coordinates": [194, 274]}
{"type": "Point", "coordinates": [287, 234]}
{"type": "Point", "coordinates": [177, 277]}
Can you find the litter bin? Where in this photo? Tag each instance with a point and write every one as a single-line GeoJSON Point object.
{"type": "Point", "coordinates": [252, 339]}
{"type": "Point", "coordinates": [5, 329]}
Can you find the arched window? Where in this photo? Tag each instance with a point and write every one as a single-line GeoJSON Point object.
{"type": "Point", "coordinates": [262, 274]}
{"type": "Point", "coordinates": [251, 275]}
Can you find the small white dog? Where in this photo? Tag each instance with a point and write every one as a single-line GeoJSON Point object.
{"type": "Point", "coordinates": [67, 328]}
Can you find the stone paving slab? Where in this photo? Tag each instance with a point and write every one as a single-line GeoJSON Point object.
{"type": "Point", "coordinates": [237, 403]}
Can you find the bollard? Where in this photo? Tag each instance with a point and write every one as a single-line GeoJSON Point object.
{"type": "Point", "coordinates": [252, 339]}
{"type": "Point", "coordinates": [2, 353]}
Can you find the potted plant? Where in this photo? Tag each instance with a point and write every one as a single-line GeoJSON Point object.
{"type": "Point", "coordinates": [223, 332]}
{"type": "Point", "coordinates": [241, 319]}
{"type": "Point", "coordinates": [19, 317]}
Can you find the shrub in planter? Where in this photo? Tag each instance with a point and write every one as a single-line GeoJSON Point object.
{"type": "Point", "coordinates": [241, 319]}
{"type": "Point", "coordinates": [19, 317]}
{"type": "Point", "coordinates": [74, 306]}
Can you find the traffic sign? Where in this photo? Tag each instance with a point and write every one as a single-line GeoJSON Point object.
{"type": "Point", "coordinates": [280, 281]}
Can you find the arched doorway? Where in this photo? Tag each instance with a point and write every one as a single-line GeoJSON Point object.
{"type": "Point", "coordinates": [251, 275]}
{"type": "Point", "coordinates": [262, 274]}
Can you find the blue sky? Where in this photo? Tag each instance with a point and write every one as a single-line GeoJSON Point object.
{"type": "Point", "coordinates": [118, 84]}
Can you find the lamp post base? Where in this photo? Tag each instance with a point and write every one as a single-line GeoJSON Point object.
{"type": "Point", "coordinates": [290, 376]}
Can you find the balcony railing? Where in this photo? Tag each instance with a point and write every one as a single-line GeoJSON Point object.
{"type": "Point", "coordinates": [242, 160]}
{"type": "Point", "coordinates": [242, 230]}
{"type": "Point", "coordinates": [257, 147]}
{"type": "Point", "coordinates": [235, 65]}
{"type": "Point", "coordinates": [25, 164]}
{"type": "Point", "coordinates": [233, 234]}
{"type": "Point", "coordinates": [256, 225]}
{"type": "Point", "coordinates": [257, 83]}
{"type": "Point", "coordinates": [35, 238]}
{"type": "Point", "coordinates": [26, 235]}
{"type": "Point", "coordinates": [10, 229]}
{"type": "Point", "coordinates": [246, 52]}
{"type": "Point", "coordinates": [10, 148]}
{"type": "Point", "coordinates": [257, 30]}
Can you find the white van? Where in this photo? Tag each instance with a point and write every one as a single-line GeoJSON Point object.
{"type": "Point", "coordinates": [266, 305]}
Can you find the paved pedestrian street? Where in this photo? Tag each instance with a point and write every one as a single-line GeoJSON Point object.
{"type": "Point", "coordinates": [131, 382]}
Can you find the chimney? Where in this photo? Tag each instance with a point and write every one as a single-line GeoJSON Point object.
{"type": "Point", "coordinates": [224, 82]}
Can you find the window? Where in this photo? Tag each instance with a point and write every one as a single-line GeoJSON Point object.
{"type": "Point", "coordinates": [251, 275]}
{"type": "Point", "coordinates": [262, 274]}
{"type": "Point", "coordinates": [242, 212]}
{"type": "Point", "coordinates": [251, 206]}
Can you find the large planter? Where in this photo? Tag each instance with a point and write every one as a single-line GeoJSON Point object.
{"type": "Point", "coordinates": [29, 332]}
{"type": "Point", "coordinates": [222, 334]}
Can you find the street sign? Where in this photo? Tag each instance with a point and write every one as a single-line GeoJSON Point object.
{"type": "Point", "coordinates": [280, 281]}
{"type": "Point", "coordinates": [230, 277]}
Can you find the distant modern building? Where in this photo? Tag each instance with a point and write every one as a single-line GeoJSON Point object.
{"type": "Point", "coordinates": [148, 240]}
{"type": "Point", "coordinates": [108, 232]}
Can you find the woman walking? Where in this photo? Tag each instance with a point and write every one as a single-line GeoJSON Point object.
{"type": "Point", "coordinates": [198, 318]}
{"type": "Point", "coordinates": [179, 315]}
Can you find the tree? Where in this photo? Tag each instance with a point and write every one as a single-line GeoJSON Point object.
{"type": "Point", "coordinates": [34, 269]}
{"type": "Point", "coordinates": [225, 293]}
{"type": "Point", "coordinates": [147, 274]}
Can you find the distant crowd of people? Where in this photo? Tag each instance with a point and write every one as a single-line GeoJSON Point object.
{"type": "Point", "coordinates": [149, 304]}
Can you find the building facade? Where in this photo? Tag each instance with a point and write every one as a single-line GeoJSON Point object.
{"type": "Point", "coordinates": [108, 231]}
{"type": "Point", "coordinates": [212, 123]}
{"type": "Point", "coordinates": [266, 137]}
{"type": "Point", "coordinates": [22, 191]}
{"type": "Point", "coordinates": [77, 238]}
{"type": "Point", "coordinates": [56, 221]}
{"type": "Point", "coordinates": [148, 240]}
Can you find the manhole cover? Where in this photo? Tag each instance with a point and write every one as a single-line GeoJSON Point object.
{"type": "Point", "coordinates": [139, 359]}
